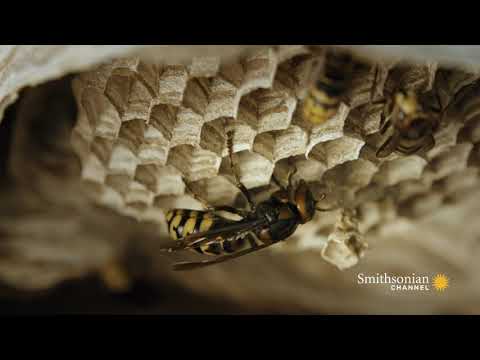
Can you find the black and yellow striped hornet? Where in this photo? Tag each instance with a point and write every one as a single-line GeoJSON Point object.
{"type": "Point", "coordinates": [210, 232]}
{"type": "Point", "coordinates": [413, 124]}
{"type": "Point", "coordinates": [324, 97]}
{"type": "Point", "coordinates": [267, 223]}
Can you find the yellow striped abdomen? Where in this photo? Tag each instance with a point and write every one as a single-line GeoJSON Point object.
{"type": "Point", "coordinates": [318, 107]}
{"type": "Point", "coordinates": [182, 222]}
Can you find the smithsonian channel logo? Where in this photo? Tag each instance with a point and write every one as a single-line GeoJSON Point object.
{"type": "Point", "coordinates": [413, 282]}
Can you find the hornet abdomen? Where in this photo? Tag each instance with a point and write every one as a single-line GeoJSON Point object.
{"type": "Point", "coordinates": [183, 222]}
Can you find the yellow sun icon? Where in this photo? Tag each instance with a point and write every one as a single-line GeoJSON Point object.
{"type": "Point", "coordinates": [440, 282]}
